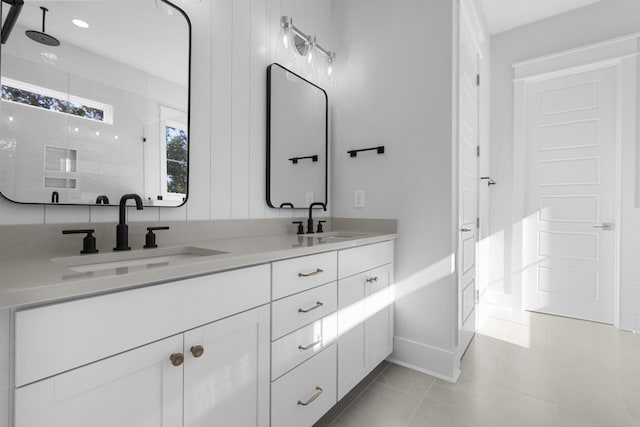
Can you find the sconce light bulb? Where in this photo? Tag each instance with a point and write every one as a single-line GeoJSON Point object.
{"type": "Point", "coordinates": [10, 118]}
{"type": "Point", "coordinates": [285, 40]}
{"type": "Point", "coordinates": [329, 70]}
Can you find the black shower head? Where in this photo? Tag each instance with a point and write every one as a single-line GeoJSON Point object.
{"type": "Point", "coordinates": [41, 36]}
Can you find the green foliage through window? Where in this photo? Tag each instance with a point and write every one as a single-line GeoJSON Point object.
{"type": "Point", "coordinates": [34, 99]}
{"type": "Point", "coordinates": [176, 140]}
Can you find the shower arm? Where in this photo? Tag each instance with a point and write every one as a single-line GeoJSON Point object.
{"type": "Point", "coordinates": [12, 17]}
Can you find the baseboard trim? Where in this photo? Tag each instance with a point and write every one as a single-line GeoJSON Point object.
{"type": "Point", "coordinates": [433, 361]}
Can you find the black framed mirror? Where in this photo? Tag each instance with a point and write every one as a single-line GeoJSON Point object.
{"type": "Point", "coordinates": [102, 114]}
{"type": "Point", "coordinates": [297, 140]}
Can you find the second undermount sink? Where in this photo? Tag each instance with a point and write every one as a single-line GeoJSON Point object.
{"type": "Point", "coordinates": [143, 258]}
{"type": "Point", "coordinates": [340, 235]}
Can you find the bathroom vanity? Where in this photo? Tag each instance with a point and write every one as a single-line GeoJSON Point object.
{"type": "Point", "coordinates": [266, 331]}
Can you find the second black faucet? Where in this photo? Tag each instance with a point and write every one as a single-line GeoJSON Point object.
{"type": "Point", "coordinates": [310, 220]}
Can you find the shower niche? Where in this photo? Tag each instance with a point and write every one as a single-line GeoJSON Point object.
{"type": "Point", "coordinates": [95, 102]}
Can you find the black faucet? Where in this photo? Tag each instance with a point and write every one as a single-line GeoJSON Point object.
{"type": "Point", "coordinates": [310, 220]}
{"type": "Point", "coordinates": [122, 229]}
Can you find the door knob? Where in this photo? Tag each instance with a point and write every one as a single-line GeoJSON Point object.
{"type": "Point", "coordinates": [177, 359]}
{"type": "Point", "coordinates": [197, 350]}
{"type": "Point", "coordinates": [465, 230]}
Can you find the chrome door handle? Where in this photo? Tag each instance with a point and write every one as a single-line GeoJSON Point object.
{"type": "Point", "coordinates": [318, 305]}
{"type": "Point", "coordinates": [313, 273]}
{"type": "Point", "coordinates": [314, 397]}
{"type": "Point", "coordinates": [307, 347]}
{"type": "Point", "coordinates": [604, 226]}
{"type": "Point", "coordinates": [465, 230]}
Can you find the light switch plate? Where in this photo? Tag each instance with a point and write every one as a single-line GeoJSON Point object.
{"type": "Point", "coordinates": [358, 199]}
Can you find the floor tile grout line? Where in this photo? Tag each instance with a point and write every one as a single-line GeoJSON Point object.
{"type": "Point", "coordinates": [355, 399]}
{"type": "Point", "coordinates": [616, 381]}
{"type": "Point", "coordinates": [415, 411]}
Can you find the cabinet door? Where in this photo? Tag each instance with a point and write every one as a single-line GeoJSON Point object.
{"type": "Point", "coordinates": [228, 385]}
{"type": "Point", "coordinates": [380, 323]}
{"type": "Point", "coordinates": [139, 388]}
{"type": "Point", "coordinates": [365, 325]}
{"type": "Point", "coordinates": [352, 362]}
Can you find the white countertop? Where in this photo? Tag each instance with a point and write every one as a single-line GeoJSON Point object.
{"type": "Point", "coordinates": [38, 280]}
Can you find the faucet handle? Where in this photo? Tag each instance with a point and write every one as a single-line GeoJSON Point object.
{"type": "Point", "coordinates": [320, 229]}
{"type": "Point", "coordinates": [300, 227]}
{"type": "Point", "coordinates": [88, 243]}
{"type": "Point", "coordinates": [151, 237]}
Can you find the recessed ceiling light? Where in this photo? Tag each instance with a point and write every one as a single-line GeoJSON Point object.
{"type": "Point", "coordinates": [80, 23]}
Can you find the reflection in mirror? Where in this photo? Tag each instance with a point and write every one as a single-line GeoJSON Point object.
{"type": "Point", "coordinates": [103, 114]}
{"type": "Point", "coordinates": [296, 140]}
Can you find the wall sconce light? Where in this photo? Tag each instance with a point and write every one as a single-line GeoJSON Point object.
{"type": "Point", "coordinates": [298, 43]}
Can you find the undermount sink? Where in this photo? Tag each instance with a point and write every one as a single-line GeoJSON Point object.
{"type": "Point", "coordinates": [144, 258]}
{"type": "Point", "coordinates": [339, 235]}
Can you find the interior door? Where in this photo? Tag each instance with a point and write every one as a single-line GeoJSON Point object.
{"type": "Point", "coordinates": [570, 201]}
{"type": "Point", "coordinates": [468, 190]}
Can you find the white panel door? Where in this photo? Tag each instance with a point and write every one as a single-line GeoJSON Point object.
{"type": "Point", "coordinates": [138, 388]}
{"type": "Point", "coordinates": [570, 201]}
{"type": "Point", "coordinates": [227, 383]}
{"type": "Point", "coordinates": [467, 190]}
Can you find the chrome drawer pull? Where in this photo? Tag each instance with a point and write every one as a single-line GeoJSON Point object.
{"type": "Point", "coordinates": [318, 305]}
{"type": "Point", "coordinates": [318, 271]}
{"type": "Point", "coordinates": [372, 279]}
{"type": "Point", "coordinates": [314, 397]}
{"type": "Point", "coordinates": [303, 348]}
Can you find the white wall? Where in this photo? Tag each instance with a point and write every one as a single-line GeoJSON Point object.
{"type": "Point", "coordinates": [600, 21]}
{"type": "Point", "coordinates": [232, 44]}
{"type": "Point", "coordinates": [396, 76]}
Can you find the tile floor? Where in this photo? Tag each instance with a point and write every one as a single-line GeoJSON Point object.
{"type": "Point", "coordinates": [520, 370]}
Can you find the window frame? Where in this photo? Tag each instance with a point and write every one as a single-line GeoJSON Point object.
{"type": "Point", "coordinates": [107, 109]}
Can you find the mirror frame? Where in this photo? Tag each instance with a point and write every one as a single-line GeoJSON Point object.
{"type": "Point", "coordinates": [184, 201]}
{"type": "Point", "coordinates": [269, 142]}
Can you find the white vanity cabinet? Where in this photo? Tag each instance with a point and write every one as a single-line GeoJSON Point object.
{"type": "Point", "coordinates": [185, 371]}
{"type": "Point", "coordinates": [303, 336]}
{"type": "Point", "coordinates": [365, 311]}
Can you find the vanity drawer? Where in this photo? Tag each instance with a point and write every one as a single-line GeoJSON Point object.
{"type": "Point", "coordinates": [298, 310]}
{"type": "Point", "coordinates": [363, 258]}
{"type": "Point", "coordinates": [60, 337]}
{"type": "Point", "coordinates": [293, 349]}
{"type": "Point", "coordinates": [299, 274]}
{"type": "Point", "coordinates": [292, 396]}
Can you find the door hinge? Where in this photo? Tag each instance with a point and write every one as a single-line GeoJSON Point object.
{"type": "Point", "coordinates": [478, 222]}
{"type": "Point", "coordinates": [478, 79]}
{"type": "Point", "coordinates": [478, 150]}
{"type": "Point", "coordinates": [477, 296]}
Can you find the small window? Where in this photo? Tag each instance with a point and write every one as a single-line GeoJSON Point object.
{"type": "Point", "coordinates": [176, 149]}
{"type": "Point", "coordinates": [52, 100]}
{"type": "Point", "coordinates": [174, 153]}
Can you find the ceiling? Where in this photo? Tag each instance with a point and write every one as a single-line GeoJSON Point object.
{"type": "Point", "coordinates": [503, 15]}
{"type": "Point", "coordinates": [139, 33]}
